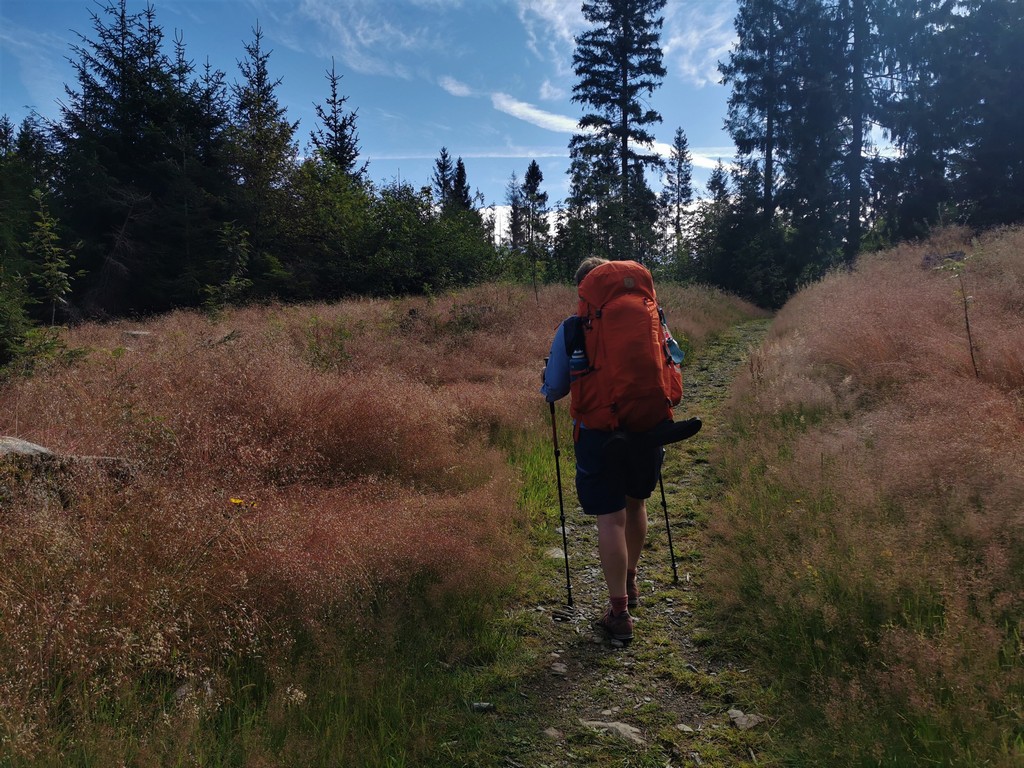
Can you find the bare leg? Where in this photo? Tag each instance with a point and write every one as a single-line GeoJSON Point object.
{"type": "Point", "coordinates": [635, 530]}
{"type": "Point", "coordinates": [611, 546]}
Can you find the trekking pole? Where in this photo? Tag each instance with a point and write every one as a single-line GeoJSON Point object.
{"type": "Point", "coordinates": [561, 505]}
{"type": "Point", "coordinates": [668, 528]}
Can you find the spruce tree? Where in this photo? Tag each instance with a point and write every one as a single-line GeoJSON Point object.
{"type": "Point", "coordinates": [756, 69]}
{"type": "Point", "coordinates": [537, 229]}
{"type": "Point", "coordinates": [50, 260]}
{"type": "Point", "coordinates": [118, 160]}
{"type": "Point", "coordinates": [618, 65]}
{"type": "Point", "coordinates": [910, 187]}
{"type": "Point", "coordinates": [709, 229]}
{"type": "Point", "coordinates": [677, 193]}
{"type": "Point", "coordinates": [263, 154]}
{"type": "Point", "coordinates": [336, 139]}
{"type": "Point", "coordinates": [515, 199]}
{"type": "Point", "coordinates": [786, 116]}
{"type": "Point", "coordinates": [462, 199]}
{"type": "Point", "coordinates": [979, 71]}
{"type": "Point", "coordinates": [17, 180]}
{"type": "Point", "coordinates": [444, 178]}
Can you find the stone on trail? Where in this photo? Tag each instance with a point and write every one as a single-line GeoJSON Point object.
{"type": "Point", "coordinates": [13, 446]}
{"type": "Point", "coordinates": [553, 733]}
{"type": "Point", "coordinates": [555, 553]}
{"type": "Point", "coordinates": [624, 730]}
{"type": "Point", "coordinates": [742, 721]}
{"type": "Point", "coordinates": [559, 669]}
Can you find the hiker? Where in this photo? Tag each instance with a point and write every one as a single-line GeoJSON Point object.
{"type": "Point", "coordinates": [625, 382]}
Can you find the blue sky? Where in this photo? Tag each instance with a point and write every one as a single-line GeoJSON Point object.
{"type": "Point", "coordinates": [491, 80]}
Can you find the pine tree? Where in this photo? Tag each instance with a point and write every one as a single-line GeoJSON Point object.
{"type": "Point", "coordinates": [264, 155]}
{"type": "Point", "coordinates": [336, 139]}
{"type": "Point", "coordinates": [617, 64]}
{"type": "Point", "coordinates": [756, 69]}
{"type": "Point", "coordinates": [911, 188]}
{"type": "Point", "coordinates": [786, 117]}
{"type": "Point", "coordinates": [462, 199]}
{"type": "Point", "coordinates": [515, 199]}
{"type": "Point", "coordinates": [26, 164]}
{"type": "Point", "coordinates": [979, 72]}
{"type": "Point", "coordinates": [49, 258]}
{"type": "Point", "coordinates": [117, 157]}
{"type": "Point", "coordinates": [677, 193]}
{"type": "Point", "coordinates": [709, 227]}
{"type": "Point", "coordinates": [444, 178]}
{"type": "Point", "coordinates": [811, 145]}
{"type": "Point", "coordinates": [537, 229]}
{"type": "Point", "coordinates": [16, 183]}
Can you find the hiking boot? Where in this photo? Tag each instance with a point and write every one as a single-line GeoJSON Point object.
{"type": "Point", "coordinates": [618, 627]}
{"type": "Point", "coordinates": [632, 592]}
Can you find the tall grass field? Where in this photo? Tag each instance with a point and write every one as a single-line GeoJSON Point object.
{"type": "Point", "coordinates": [300, 534]}
{"type": "Point", "coordinates": [869, 550]}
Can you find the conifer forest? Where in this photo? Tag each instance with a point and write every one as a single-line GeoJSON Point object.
{"type": "Point", "coordinates": [165, 183]}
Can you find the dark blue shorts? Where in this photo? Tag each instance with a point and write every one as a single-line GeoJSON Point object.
{"type": "Point", "coordinates": [603, 489]}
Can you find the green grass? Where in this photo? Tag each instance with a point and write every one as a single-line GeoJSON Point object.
{"type": "Point", "coordinates": [827, 625]}
{"type": "Point", "coordinates": [382, 693]}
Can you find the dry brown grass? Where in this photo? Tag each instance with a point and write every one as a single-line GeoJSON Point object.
{"type": "Point", "coordinates": [874, 536]}
{"type": "Point", "coordinates": [290, 467]}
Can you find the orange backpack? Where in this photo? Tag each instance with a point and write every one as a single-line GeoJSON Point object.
{"type": "Point", "coordinates": [630, 382]}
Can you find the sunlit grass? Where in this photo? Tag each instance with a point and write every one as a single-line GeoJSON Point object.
{"type": "Point", "coordinates": [302, 551]}
{"type": "Point", "coordinates": [869, 551]}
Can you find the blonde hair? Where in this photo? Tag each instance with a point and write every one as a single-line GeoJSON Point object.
{"type": "Point", "coordinates": [587, 266]}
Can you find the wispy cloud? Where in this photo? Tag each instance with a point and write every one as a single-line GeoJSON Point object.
{"type": "Point", "coordinates": [455, 87]}
{"type": "Point", "coordinates": [551, 28]}
{"type": "Point", "coordinates": [531, 114]}
{"type": "Point", "coordinates": [439, 5]}
{"type": "Point", "coordinates": [551, 92]}
{"type": "Point", "coordinates": [368, 37]}
{"type": "Point", "coordinates": [696, 36]}
{"type": "Point", "coordinates": [506, 153]}
{"type": "Point", "coordinates": [38, 56]}
{"type": "Point", "coordinates": [702, 157]}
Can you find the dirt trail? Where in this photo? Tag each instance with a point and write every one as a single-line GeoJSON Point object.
{"type": "Point", "coordinates": [665, 702]}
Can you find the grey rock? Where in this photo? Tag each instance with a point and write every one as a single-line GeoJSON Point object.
{"type": "Point", "coordinates": [12, 446]}
{"type": "Point", "coordinates": [624, 730]}
{"type": "Point", "coordinates": [742, 721]}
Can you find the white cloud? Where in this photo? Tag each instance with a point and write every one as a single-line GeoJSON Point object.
{"type": "Point", "coordinates": [531, 114]}
{"type": "Point", "coordinates": [507, 153]}
{"type": "Point", "coordinates": [551, 92]}
{"type": "Point", "coordinates": [696, 36]}
{"type": "Point", "coordinates": [368, 38]}
{"type": "Point", "coordinates": [551, 28]}
{"type": "Point", "coordinates": [702, 157]}
{"type": "Point", "coordinates": [454, 87]}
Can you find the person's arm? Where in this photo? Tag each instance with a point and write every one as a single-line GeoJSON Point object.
{"type": "Point", "coordinates": [556, 373]}
{"type": "Point", "coordinates": [674, 350]}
